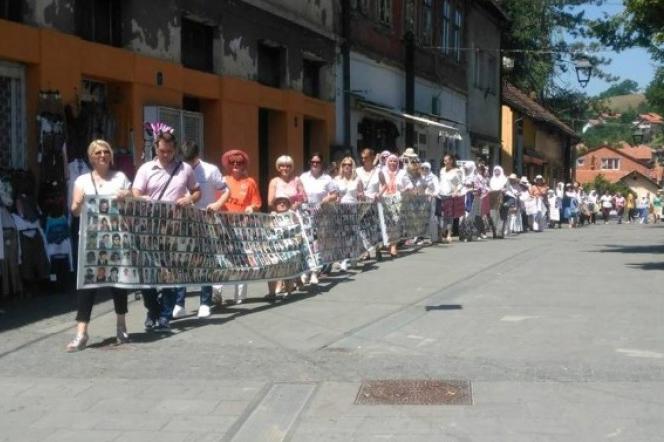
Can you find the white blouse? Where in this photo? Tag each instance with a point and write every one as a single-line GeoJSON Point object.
{"type": "Point", "coordinates": [347, 190]}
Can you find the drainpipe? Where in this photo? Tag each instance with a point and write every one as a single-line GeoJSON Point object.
{"type": "Point", "coordinates": [345, 55]}
{"type": "Point", "coordinates": [409, 64]}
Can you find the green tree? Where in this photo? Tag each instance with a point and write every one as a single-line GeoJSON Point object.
{"type": "Point", "coordinates": [641, 24]}
{"type": "Point", "coordinates": [625, 87]}
{"type": "Point", "coordinates": [655, 91]}
{"type": "Point", "coordinates": [601, 184]}
{"type": "Point", "coordinates": [534, 38]}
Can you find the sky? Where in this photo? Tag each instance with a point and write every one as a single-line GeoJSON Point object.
{"type": "Point", "coordinates": [633, 64]}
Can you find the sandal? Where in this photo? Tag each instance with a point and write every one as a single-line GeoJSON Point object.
{"type": "Point", "coordinates": [78, 343]}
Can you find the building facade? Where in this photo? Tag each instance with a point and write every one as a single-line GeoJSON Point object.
{"type": "Point", "coordinates": [485, 22]}
{"type": "Point", "coordinates": [535, 141]}
{"type": "Point", "coordinates": [256, 74]}
{"type": "Point", "coordinates": [405, 80]}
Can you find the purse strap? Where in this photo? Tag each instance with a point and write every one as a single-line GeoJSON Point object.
{"type": "Point", "coordinates": [163, 190]}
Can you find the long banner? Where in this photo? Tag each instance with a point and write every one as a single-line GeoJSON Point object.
{"type": "Point", "coordinates": [132, 243]}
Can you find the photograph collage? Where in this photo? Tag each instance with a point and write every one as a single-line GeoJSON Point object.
{"type": "Point", "coordinates": [133, 242]}
{"type": "Point", "coordinates": [415, 215]}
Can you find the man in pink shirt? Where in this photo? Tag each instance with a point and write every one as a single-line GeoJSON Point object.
{"type": "Point", "coordinates": [164, 179]}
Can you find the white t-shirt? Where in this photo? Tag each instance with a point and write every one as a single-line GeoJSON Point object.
{"type": "Point", "coordinates": [117, 181]}
{"type": "Point", "coordinates": [607, 201]}
{"type": "Point", "coordinates": [347, 190]}
{"type": "Point", "coordinates": [370, 181]}
{"type": "Point", "coordinates": [317, 188]}
{"type": "Point", "coordinates": [210, 180]}
{"type": "Point", "coordinates": [450, 182]}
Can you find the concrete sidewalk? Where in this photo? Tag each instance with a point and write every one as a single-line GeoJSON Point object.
{"type": "Point", "coordinates": [558, 333]}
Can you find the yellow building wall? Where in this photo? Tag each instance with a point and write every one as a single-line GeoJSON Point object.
{"type": "Point", "coordinates": [507, 141]}
{"type": "Point", "coordinates": [529, 133]}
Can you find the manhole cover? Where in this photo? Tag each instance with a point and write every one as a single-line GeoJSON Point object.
{"type": "Point", "coordinates": [414, 392]}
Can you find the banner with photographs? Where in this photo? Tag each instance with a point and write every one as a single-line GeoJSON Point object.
{"type": "Point", "coordinates": [134, 243]}
{"type": "Point", "coordinates": [341, 231]}
{"type": "Point", "coordinates": [415, 215]}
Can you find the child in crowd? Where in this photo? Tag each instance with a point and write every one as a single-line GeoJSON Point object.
{"type": "Point", "coordinates": [280, 204]}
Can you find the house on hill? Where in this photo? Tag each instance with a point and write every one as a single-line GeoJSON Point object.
{"type": "Point", "coordinates": [633, 166]}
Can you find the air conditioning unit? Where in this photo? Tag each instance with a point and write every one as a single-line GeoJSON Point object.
{"type": "Point", "coordinates": [188, 126]}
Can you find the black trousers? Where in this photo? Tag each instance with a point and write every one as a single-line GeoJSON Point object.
{"type": "Point", "coordinates": [86, 299]}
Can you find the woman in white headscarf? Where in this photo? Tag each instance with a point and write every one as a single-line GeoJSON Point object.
{"type": "Point", "coordinates": [498, 213]}
{"type": "Point", "coordinates": [466, 225]}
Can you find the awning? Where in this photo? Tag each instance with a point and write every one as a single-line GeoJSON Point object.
{"type": "Point", "coordinates": [449, 131]}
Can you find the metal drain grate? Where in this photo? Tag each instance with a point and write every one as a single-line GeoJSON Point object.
{"type": "Point", "coordinates": [414, 392]}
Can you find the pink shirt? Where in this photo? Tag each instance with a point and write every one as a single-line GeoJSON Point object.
{"type": "Point", "coordinates": [151, 178]}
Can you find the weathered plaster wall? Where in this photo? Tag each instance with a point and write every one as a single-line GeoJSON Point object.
{"type": "Point", "coordinates": [54, 14]}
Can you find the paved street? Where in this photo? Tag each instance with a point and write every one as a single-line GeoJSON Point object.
{"type": "Point", "coordinates": [559, 334]}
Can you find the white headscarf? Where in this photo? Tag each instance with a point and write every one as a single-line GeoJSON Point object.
{"type": "Point", "coordinates": [469, 171]}
{"type": "Point", "coordinates": [498, 182]}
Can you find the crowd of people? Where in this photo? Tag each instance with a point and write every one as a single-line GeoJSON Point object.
{"type": "Point", "coordinates": [468, 200]}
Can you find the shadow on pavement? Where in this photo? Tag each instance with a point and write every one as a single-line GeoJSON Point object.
{"type": "Point", "coordinates": [648, 265]}
{"type": "Point", "coordinates": [26, 311]}
{"type": "Point", "coordinates": [443, 307]}
{"type": "Point", "coordinates": [649, 249]}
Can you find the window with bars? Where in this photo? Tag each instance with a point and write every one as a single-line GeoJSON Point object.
{"type": "Point", "coordinates": [99, 21]}
{"type": "Point", "coordinates": [12, 116]}
{"type": "Point", "coordinates": [426, 23]}
{"type": "Point", "coordinates": [446, 27]}
{"type": "Point", "coordinates": [197, 40]}
{"type": "Point", "coordinates": [11, 10]}
{"type": "Point", "coordinates": [384, 11]}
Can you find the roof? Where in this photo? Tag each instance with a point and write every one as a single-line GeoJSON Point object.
{"type": "Point", "coordinates": [635, 172]}
{"type": "Point", "coordinates": [615, 174]}
{"type": "Point", "coordinates": [494, 7]}
{"type": "Point", "coordinates": [651, 118]}
{"type": "Point", "coordinates": [522, 102]}
{"type": "Point", "coordinates": [584, 176]}
{"type": "Point", "coordinates": [641, 152]}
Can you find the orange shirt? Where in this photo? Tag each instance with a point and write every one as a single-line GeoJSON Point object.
{"type": "Point", "coordinates": [244, 193]}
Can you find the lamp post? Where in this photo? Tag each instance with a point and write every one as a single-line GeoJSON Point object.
{"type": "Point", "coordinates": [583, 69]}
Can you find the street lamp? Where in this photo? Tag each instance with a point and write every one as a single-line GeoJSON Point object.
{"type": "Point", "coordinates": [637, 135]}
{"type": "Point", "coordinates": [583, 69]}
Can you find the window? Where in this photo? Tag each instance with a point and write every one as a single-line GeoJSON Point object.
{"type": "Point", "coordinates": [311, 78]}
{"type": "Point", "coordinates": [492, 74]}
{"type": "Point", "coordinates": [610, 163]}
{"type": "Point", "coordinates": [12, 116]}
{"type": "Point", "coordinates": [456, 35]}
{"type": "Point", "coordinates": [11, 10]}
{"type": "Point", "coordinates": [196, 45]}
{"type": "Point", "coordinates": [99, 21]}
{"type": "Point", "coordinates": [270, 64]}
{"type": "Point", "coordinates": [426, 25]}
{"type": "Point", "coordinates": [446, 27]}
{"type": "Point", "coordinates": [384, 11]}
{"type": "Point", "coordinates": [360, 5]}
{"type": "Point", "coordinates": [579, 161]}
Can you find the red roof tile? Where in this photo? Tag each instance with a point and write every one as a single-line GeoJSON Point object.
{"type": "Point", "coordinates": [588, 176]}
{"type": "Point", "coordinates": [652, 118]}
{"type": "Point", "coordinates": [641, 152]}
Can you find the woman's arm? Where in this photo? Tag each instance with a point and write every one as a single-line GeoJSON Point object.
{"type": "Point", "coordinates": [77, 200]}
{"type": "Point", "coordinates": [271, 190]}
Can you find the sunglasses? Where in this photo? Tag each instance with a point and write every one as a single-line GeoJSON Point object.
{"type": "Point", "coordinates": [346, 164]}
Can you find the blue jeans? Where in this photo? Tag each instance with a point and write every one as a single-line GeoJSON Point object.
{"type": "Point", "coordinates": [160, 309]}
{"type": "Point", "coordinates": [206, 295]}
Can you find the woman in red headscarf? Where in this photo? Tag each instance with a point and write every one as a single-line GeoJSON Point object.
{"type": "Point", "coordinates": [244, 195]}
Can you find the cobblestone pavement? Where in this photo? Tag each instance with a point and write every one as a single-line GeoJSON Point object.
{"type": "Point", "coordinates": [559, 334]}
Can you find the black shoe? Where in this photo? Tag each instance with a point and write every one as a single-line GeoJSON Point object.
{"type": "Point", "coordinates": [149, 324]}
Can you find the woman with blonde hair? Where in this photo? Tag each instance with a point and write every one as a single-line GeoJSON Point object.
{"type": "Point", "coordinates": [286, 183]}
{"type": "Point", "coordinates": [349, 189]}
{"type": "Point", "coordinates": [100, 181]}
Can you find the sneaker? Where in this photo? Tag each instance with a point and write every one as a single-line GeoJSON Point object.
{"type": "Point", "coordinates": [304, 279]}
{"type": "Point", "coordinates": [162, 326]}
{"type": "Point", "coordinates": [122, 337]}
{"type": "Point", "coordinates": [150, 324]}
{"type": "Point", "coordinates": [179, 312]}
{"type": "Point", "coordinates": [238, 301]}
{"type": "Point", "coordinates": [313, 280]}
{"type": "Point", "coordinates": [78, 343]}
{"type": "Point", "coordinates": [344, 265]}
{"type": "Point", "coordinates": [204, 311]}
{"type": "Point", "coordinates": [217, 299]}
